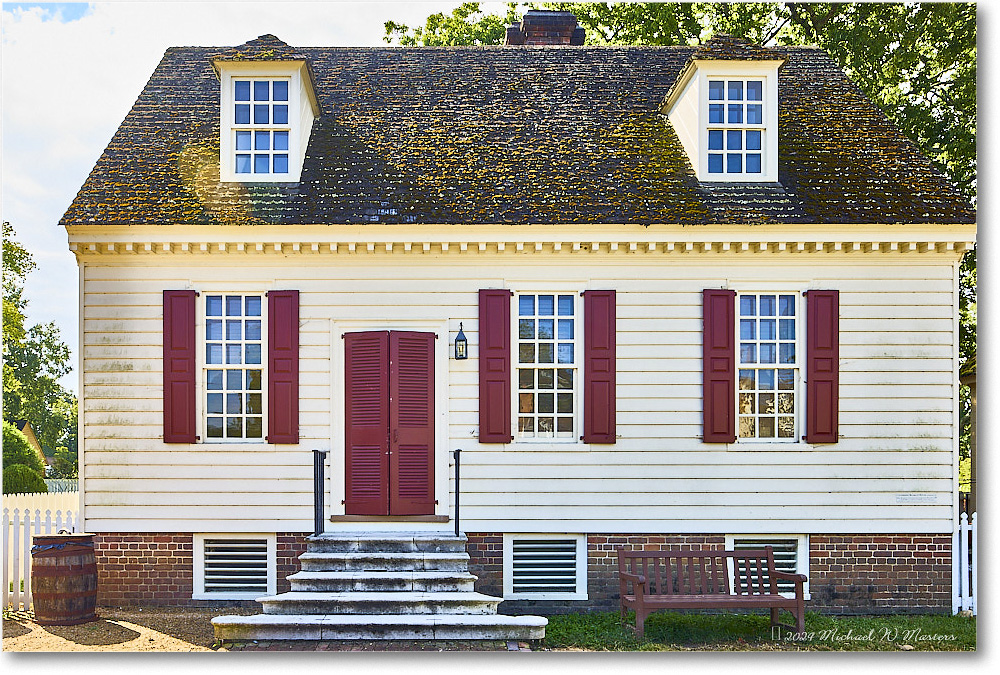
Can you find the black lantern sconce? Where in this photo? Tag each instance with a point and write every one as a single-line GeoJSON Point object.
{"type": "Point", "coordinates": [461, 344]}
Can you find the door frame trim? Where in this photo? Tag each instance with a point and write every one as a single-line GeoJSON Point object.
{"type": "Point", "coordinates": [336, 488]}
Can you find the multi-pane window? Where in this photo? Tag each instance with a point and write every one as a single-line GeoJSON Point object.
{"type": "Point", "coordinates": [735, 126]}
{"type": "Point", "coordinates": [261, 126]}
{"type": "Point", "coordinates": [546, 366]}
{"type": "Point", "coordinates": [234, 374]}
{"type": "Point", "coordinates": [768, 366]}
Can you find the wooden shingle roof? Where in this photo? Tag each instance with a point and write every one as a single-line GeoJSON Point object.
{"type": "Point", "coordinates": [507, 135]}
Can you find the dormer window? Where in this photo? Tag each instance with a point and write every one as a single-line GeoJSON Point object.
{"type": "Point", "coordinates": [260, 126]}
{"type": "Point", "coordinates": [266, 113]}
{"type": "Point", "coordinates": [735, 126]}
{"type": "Point", "coordinates": [725, 111]}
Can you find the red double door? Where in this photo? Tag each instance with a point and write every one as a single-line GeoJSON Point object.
{"type": "Point", "coordinates": [389, 401]}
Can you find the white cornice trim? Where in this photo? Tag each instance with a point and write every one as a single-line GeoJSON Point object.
{"type": "Point", "coordinates": [514, 240]}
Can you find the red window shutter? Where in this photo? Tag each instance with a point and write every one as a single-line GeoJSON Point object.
{"type": "Point", "coordinates": [822, 366]}
{"type": "Point", "coordinates": [494, 366]}
{"type": "Point", "coordinates": [180, 422]}
{"type": "Point", "coordinates": [599, 367]}
{"type": "Point", "coordinates": [366, 407]}
{"type": "Point", "coordinates": [283, 367]}
{"type": "Point", "coordinates": [719, 365]}
{"type": "Point", "coordinates": [411, 419]}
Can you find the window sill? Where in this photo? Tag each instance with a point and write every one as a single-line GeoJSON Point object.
{"type": "Point", "coordinates": [546, 445]}
{"type": "Point", "coordinates": [757, 446]}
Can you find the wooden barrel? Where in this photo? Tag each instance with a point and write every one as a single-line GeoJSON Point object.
{"type": "Point", "coordinates": [63, 579]}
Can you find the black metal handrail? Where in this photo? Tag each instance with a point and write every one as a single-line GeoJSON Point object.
{"type": "Point", "coordinates": [458, 490]}
{"type": "Point", "coordinates": [319, 465]}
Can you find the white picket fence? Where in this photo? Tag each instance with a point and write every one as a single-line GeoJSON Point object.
{"type": "Point", "coordinates": [62, 484]}
{"type": "Point", "coordinates": [19, 526]}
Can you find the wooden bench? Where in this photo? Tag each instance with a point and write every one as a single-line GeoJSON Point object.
{"type": "Point", "coordinates": [705, 579]}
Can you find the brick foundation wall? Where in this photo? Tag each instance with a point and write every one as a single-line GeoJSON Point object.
{"type": "Point", "coordinates": [848, 574]}
{"type": "Point", "coordinates": [880, 574]}
{"type": "Point", "coordinates": [154, 568]}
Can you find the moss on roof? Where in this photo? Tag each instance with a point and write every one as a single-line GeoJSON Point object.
{"type": "Point", "coordinates": [506, 135]}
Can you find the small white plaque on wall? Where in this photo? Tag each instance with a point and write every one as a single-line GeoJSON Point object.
{"type": "Point", "coordinates": [912, 498]}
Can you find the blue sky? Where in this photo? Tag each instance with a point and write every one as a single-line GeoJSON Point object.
{"type": "Point", "coordinates": [54, 11]}
{"type": "Point", "coordinates": [69, 73]}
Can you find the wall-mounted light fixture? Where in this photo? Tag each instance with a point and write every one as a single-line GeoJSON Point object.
{"type": "Point", "coordinates": [461, 344]}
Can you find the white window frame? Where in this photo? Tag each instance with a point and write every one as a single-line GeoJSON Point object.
{"type": "Point", "coordinates": [767, 72]}
{"type": "Point", "coordinates": [577, 367]}
{"type": "Point", "coordinates": [254, 129]}
{"type": "Point", "coordinates": [801, 553]}
{"type": "Point", "coordinates": [198, 562]}
{"type": "Point", "coordinates": [743, 127]}
{"type": "Point", "coordinates": [798, 389]}
{"type": "Point", "coordinates": [508, 567]}
{"type": "Point", "coordinates": [250, 70]}
{"type": "Point", "coordinates": [203, 366]}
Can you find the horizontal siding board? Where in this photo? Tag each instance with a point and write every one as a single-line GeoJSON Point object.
{"type": "Point", "coordinates": [668, 472]}
{"type": "Point", "coordinates": [811, 524]}
{"type": "Point", "coordinates": [710, 513]}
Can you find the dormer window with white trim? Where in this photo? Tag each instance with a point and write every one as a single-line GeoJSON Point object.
{"type": "Point", "coordinates": [725, 113]}
{"type": "Point", "coordinates": [266, 115]}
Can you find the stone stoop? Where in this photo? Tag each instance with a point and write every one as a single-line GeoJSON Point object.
{"type": "Point", "coordinates": [381, 586]}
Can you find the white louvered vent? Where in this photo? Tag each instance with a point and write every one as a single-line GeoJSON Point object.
{"type": "Point", "coordinates": [235, 566]}
{"type": "Point", "coordinates": [786, 557]}
{"type": "Point", "coordinates": [540, 566]}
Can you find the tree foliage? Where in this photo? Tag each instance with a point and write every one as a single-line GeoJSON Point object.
{"type": "Point", "coordinates": [34, 358]}
{"type": "Point", "coordinates": [20, 479]}
{"type": "Point", "coordinates": [18, 450]}
{"type": "Point", "coordinates": [466, 25]}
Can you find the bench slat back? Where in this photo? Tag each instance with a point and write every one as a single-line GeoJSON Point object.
{"type": "Point", "coordinates": [702, 571]}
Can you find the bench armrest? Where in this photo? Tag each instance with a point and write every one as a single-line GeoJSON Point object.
{"type": "Point", "coordinates": [638, 584]}
{"type": "Point", "coordinates": [799, 580]}
{"type": "Point", "coordinates": [634, 578]}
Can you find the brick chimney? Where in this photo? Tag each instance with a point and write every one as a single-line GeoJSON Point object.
{"type": "Point", "coordinates": [546, 27]}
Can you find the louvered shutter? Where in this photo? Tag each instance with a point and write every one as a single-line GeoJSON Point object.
{"type": "Point", "coordinates": [283, 367]}
{"type": "Point", "coordinates": [180, 422]}
{"type": "Point", "coordinates": [494, 366]}
{"type": "Point", "coordinates": [366, 401]}
{"type": "Point", "coordinates": [411, 419]}
{"type": "Point", "coordinates": [719, 365]}
{"type": "Point", "coordinates": [822, 365]}
{"type": "Point", "coordinates": [599, 367]}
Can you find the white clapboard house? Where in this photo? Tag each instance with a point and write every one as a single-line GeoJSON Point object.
{"type": "Point", "coordinates": [707, 296]}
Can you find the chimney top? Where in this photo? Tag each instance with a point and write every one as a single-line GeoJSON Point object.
{"type": "Point", "coordinates": [546, 27]}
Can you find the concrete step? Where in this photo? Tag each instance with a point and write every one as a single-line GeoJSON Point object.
{"type": "Point", "coordinates": [387, 542]}
{"type": "Point", "coordinates": [379, 627]}
{"type": "Point", "coordinates": [406, 602]}
{"type": "Point", "coordinates": [344, 561]}
{"type": "Point", "coordinates": [433, 581]}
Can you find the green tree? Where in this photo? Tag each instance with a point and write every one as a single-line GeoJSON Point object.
{"type": "Point", "coordinates": [34, 359]}
{"type": "Point", "coordinates": [466, 25]}
{"type": "Point", "coordinates": [18, 450]}
{"type": "Point", "coordinates": [20, 479]}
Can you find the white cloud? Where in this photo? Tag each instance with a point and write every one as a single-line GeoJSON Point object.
{"type": "Point", "coordinates": [68, 80]}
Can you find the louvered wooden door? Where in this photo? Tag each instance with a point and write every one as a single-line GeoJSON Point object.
{"type": "Point", "coordinates": [389, 404]}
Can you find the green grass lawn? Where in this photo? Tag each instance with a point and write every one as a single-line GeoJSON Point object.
{"type": "Point", "coordinates": [669, 631]}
